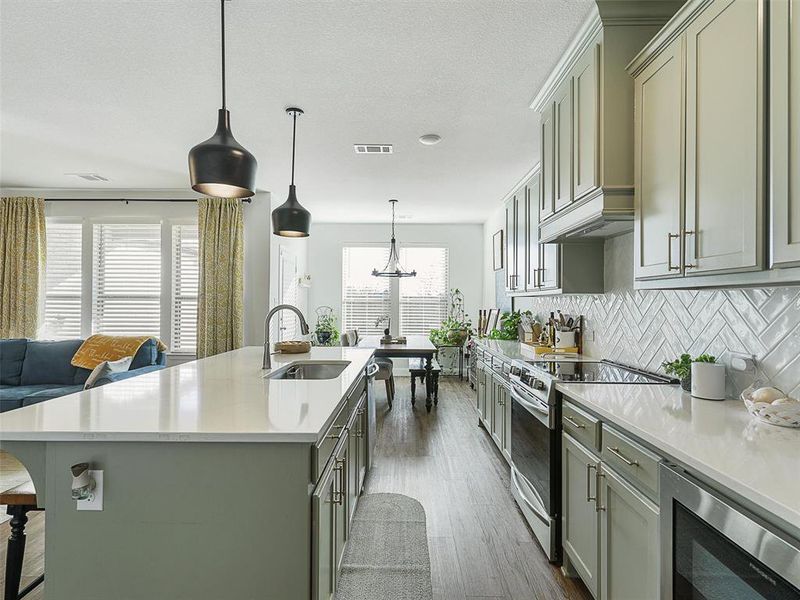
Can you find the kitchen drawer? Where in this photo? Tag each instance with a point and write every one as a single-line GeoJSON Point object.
{"type": "Point", "coordinates": [631, 460]}
{"type": "Point", "coordinates": [580, 425]}
{"type": "Point", "coordinates": [324, 448]}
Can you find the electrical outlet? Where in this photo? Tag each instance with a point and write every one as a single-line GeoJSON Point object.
{"type": "Point", "coordinates": [741, 361]}
{"type": "Point", "coordinates": [95, 501]}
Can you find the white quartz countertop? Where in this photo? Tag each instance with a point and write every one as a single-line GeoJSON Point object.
{"type": "Point", "coordinates": [720, 440]}
{"type": "Point", "coordinates": [224, 398]}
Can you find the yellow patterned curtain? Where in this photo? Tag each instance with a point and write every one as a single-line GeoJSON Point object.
{"type": "Point", "coordinates": [23, 250]}
{"type": "Point", "coordinates": [221, 287]}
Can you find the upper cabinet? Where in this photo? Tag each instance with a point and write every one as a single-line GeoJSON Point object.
{"type": "Point", "coordinates": [784, 108]}
{"type": "Point", "coordinates": [535, 268]}
{"type": "Point", "coordinates": [586, 109]}
{"type": "Point", "coordinates": [704, 186]}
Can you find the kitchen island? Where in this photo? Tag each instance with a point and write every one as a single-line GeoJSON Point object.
{"type": "Point", "coordinates": [218, 482]}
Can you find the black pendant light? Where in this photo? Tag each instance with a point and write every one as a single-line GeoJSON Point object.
{"type": "Point", "coordinates": [221, 166]}
{"type": "Point", "coordinates": [393, 267]}
{"type": "Point", "coordinates": [290, 219]}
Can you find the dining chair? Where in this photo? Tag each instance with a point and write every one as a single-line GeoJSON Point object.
{"type": "Point", "coordinates": [385, 367]}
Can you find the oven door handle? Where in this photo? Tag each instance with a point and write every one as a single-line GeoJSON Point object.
{"type": "Point", "coordinates": [539, 409]}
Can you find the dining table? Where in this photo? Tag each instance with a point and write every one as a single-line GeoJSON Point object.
{"type": "Point", "coordinates": [415, 346]}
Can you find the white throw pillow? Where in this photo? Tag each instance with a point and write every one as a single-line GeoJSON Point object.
{"type": "Point", "coordinates": [106, 367]}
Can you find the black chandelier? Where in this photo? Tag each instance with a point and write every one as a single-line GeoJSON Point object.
{"type": "Point", "coordinates": [393, 267]}
{"type": "Point", "coordinates": [221, 166]}
{"type": "Point", "coordinates": [290, 219]}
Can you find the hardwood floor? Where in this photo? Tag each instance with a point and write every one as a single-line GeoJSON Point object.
{"type": "Point", "coordinates": [479, 543]}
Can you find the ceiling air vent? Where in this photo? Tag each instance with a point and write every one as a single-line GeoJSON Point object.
{"type": "Point", "coordinates": [373, 148]}
{"type": "Point", "coordinates": [87, 176]}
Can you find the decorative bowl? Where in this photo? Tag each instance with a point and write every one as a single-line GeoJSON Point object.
{"type": "Point", "coordinates": [782, 415]}
{"type": "Point", "coordinates": [293, 347]}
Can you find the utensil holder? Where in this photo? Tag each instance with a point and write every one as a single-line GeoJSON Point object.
{"type": "Point", "coordinates": [565, 339]}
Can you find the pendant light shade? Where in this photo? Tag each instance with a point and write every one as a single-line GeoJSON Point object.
{"type": "Point", "coordinates": [290, 219]}
{"type": "Point", "coordinates": [221, 166]}
{"type": "Point", "coordinates": [393, 267]}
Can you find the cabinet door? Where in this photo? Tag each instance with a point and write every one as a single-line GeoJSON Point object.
{"type": "Point", "coordinates": [586, 124]}
{"type": "Point", "coordinates": [658, 93]}
{"type": "Point", "coordinates": [481, 393]}
{"type": "Point", "coordinates": [550, 266]}
{"type": "Point", "coordinates": [725, 138]}
{"type": "Point", "coordinates": [323, 535]}
{"type": "Point", "coordinates": [341, 503]}
{"type": "Point", "coordinates": [547, 173]}
{"type": "Point", "coordinates": [785, 131]}
{"type": "Point", "coordinates": [497, 412]}
{"type": "Point", "coordinates": [511, 244]}
{"type": "Point", "coordinates": [563, 139]}
{"type": "Point", "coordinates": [507, 424]}
{"type": "Point", "coordinates": [363, 442]}
{"type": "Point", "coordinates": [580, 521]}
{"type": "Point", "coordinates": [532, 233]}
{"type": "Point", "coordinates": [629, 549]}
{"type": "Point", "coordinates": [520, 219]}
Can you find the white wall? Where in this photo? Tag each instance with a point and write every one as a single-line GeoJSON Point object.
{"type": "Point", "coordinates": [465, 243]}
{"type": "Point", "coordinates": [493, 224]}
{"type": "Point", "coordinates": [257, 232]}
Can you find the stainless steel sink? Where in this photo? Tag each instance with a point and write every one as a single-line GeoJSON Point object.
{"type": "Point", "coordinates": [310, 369]}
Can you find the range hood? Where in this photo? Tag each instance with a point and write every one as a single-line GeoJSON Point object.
{"type": "Point", "coordinates": [606, 212]}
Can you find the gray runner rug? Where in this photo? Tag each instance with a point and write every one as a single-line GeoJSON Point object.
{"type": "Point", "coordinates": [387, 554]}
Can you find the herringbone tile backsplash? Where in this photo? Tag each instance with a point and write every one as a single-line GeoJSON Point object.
{"type": "Point", "coordinates": [644, 328]}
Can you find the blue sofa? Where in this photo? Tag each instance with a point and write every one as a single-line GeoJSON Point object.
{"type": "Point", "coordinates": [34, 371]}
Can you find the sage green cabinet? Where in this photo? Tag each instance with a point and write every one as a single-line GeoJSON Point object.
{"type": "Point", "coordinates": [329, 522]}
{"type": "Point", "coordinates": [532, 247]}
{"type": "Point", "coordinates": [658, 201]}
{"type": "Point", "coordinates": [481, 390]}
{"type": "Point", "coordinates": [784, 98]}
{"type": "Point", "coordinates": [548, 161]}
{"type": "Point", "coordinates": [497, 421]}
{"type": "Point", "coordinates": [725, 111]}
{"type": "Point", "coordinates": [586, 122]}
{"type": "Point", "coordinates": [562, 107]}
{"type": "Point", "coordinates": [629, 554]}
{"type": "Point", "coordinates": [580, 520]}
{"type": "Point", "coordinates": [514, 242]}
{"type": "Point", "coordinates": [356, 454]}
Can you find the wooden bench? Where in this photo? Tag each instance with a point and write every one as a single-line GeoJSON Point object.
{"type": "Point", "coordinates": [20, 500]}
{"type": "Point", "coordinates": [416, 367]}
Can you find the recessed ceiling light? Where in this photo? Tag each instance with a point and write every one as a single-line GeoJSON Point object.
{"type": "Point", "coordinates": [430, 139]}
{"type": "Point", "coordinates": [87, 176]}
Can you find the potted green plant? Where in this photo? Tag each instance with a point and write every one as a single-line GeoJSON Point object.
{"type": "Point", "coordinates": [457, 326]}
{"type": "Point", "coordinates": [326, 330]}
{"type": "Point", "coordinates": [509, 325]}
{"type": "Point", "coordinates": [682, 368]}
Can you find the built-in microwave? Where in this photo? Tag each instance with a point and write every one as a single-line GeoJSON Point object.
{"type": "Point", "coordinates": [712, 548]}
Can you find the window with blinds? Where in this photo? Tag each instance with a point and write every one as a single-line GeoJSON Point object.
{"type": "Point", "coordinates": [126, 283]}
{"type": "Point", "coordinates": [365, 298]}
{"type": "Point", "coordinates": [62, 304]}
{"type": "Point", "coordinates": [423, 299]}
{"type": "Point", "coordinates": [185, 276]}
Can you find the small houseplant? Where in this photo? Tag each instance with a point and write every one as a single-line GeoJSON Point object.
{"type": "Point", "coordinates": [682, 368]}
{"type": "Point", "coordinates": [509, 326]}
{"type": "Point", "coordinates": [326, 330]}
{"type": "Point", "coordinates": [457, 326]}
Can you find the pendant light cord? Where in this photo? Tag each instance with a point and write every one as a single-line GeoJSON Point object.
{"type": "Point", "coordinates": [393, 203]}
{"type": "Point", "coordinates": [294, 137]}
{"type": "Point", "coordinates": [222, 20]}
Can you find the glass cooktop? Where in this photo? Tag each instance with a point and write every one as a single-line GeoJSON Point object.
{"type": "Point", "coordinates": [597, 372]}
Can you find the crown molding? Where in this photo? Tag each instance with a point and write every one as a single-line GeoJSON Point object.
{"type": "Point", "coordinates": [533, 171]}
{"type": "Point", "coordinates": [671, 31]}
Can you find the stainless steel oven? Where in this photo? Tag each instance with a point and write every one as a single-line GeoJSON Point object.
{"type": "Point", "coordinates": [536, 460]}
{"type": "Point", "coordinates": [712, 548]}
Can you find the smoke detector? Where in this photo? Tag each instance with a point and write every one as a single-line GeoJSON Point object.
{"type": "Point", "coordinates": [373, 148]}
{"type": "Point", "coordinates": [87, 176]}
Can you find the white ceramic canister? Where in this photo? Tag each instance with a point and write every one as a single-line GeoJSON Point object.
{"type": "Point", "coordinates": [708, 381]}
{"type": "Point", "coordinates": [565, 339]}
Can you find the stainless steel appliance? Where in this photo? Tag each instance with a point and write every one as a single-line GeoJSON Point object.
{"type": "Point", "coordinates": [713, 548]}
{"type": "Point", "coordinates": [536, 435]}
{"type": "Point", "coordinates": [372, 426]}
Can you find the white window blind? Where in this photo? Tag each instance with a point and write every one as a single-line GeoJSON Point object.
{"type": "Point", "coordinates": [364, 298]}
{"type": "Point", "coordinates": [126, 287]}
{"type": "Point", "coordinates": [423, 299]}
{"type": "Point", "coordinates": [289, 294]}
{"type": "Point", "coordinates": [185, 276]}
{"type": "Point", "coordinates": [62, 305]}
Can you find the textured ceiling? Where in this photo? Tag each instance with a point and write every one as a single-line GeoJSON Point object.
{"type": "Point", "coordinates": [125, 88]}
